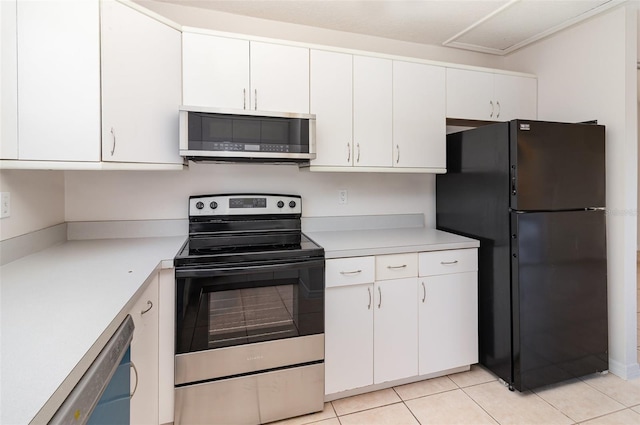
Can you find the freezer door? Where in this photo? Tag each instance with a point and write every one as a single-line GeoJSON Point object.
{"type": "Point", "coordinates": [556, 166]}
{"type": "Point", "coordinates": [559, 296]}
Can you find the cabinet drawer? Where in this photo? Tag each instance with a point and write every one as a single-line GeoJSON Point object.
{"type": "Point", "coordinates": [449, 261]}
{"type": "Point", "coordinates": [396, 266]}
{"type": "Point", "coordinates": [349, 271]}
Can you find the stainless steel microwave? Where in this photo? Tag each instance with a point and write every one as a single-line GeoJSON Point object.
{"type": "Point", "coordinates": [228, 135]}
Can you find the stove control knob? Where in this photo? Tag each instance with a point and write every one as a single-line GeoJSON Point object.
{"type": "Point", "coordinates": [280, 204]}
{"type": "Point", "coordinates": [213, 205]}
{"type": "Point", "coordinates": [199, 205]}
{"type": "Point", "coordinates": [292, 204]}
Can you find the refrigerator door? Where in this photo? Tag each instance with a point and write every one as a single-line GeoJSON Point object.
{"type": "Point", "coordinates": [559, 296]}
{"type": "Point", "coordinates": [556, 166]}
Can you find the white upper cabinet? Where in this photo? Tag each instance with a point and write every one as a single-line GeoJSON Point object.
{"type": "Point", "coordinates": [332, 103]}
{"type": "Point", "coordinates": [419, 121]}
{"type": "Point", "coordinates": [517, 97]}
{"type": "Point", "coordinates": [141, 93]}
{"type": "Point", "coordinates": [58, 65]}
{"type": "Point", "coordinates": [478, 95]}
{"type": "Point", "coordinates": [8, 81]}
{"type": "Point", "coordinates": [279, 78]}
{"type": "Point", "coordinates": [372, 111]}
{"type": "Point", "coordinates": [215, 71]}
{"type": "Point", "coordinates": [240, 74]}
{"type": "Point", "coordinates": [470, 94]}
{"type": "Point", "coordinates": [377, 114]}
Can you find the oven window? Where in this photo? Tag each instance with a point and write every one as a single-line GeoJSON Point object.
{"type": "Point", "coordinates": [236, 309]}
{"type": "Point", "coordinates": [243, 316]}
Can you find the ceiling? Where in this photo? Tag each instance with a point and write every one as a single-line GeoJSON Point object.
{"type": "Point", "coordinates": [490, 26]}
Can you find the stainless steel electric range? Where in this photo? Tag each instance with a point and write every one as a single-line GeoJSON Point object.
{"type": "Point", "coordinates": [249, 312]}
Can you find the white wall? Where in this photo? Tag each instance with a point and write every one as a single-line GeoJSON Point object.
{"type": "Point", "coordinates": [138, 195]}
{"type": "Point", "coordinates": [37, 201]}
{"type": "Point", "coordinates": [227, 22]}
{"type": "Point", "coordinates": [589, 72]}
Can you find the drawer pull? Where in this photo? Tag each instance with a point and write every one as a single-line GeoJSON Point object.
{"type": "Point", "coordinates": [351, 272]}
{"type": "Point", "coordinates": [448, 263]}
{"type": "Point", "coordinates": [397, 267]}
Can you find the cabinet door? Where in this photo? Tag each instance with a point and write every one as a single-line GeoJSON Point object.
{"type": "Point", "coordinates": [58, 80]}
{"type": "Point", "coordinates": [395, 337]}
{"type": "Point", "coordinates": [516, 97]}
{"type": "Point", "coordinates": [8, 81]}
{"type": "Point", "coordinates": [215, 71]}
{"type": "Point", "coordinates": [279, 78]}
{"type": "Point", "coordinates": [448, 321]}
{"type": "Point", "coordinates": [470, 95]}
{"type": "Point", "coordinates": [144, 355]}
{"type": "Point", "coordinates": [332, 101]}
{"type": "Point", "coordinates": [348, 337]}
{"type": "Point", "coordinates": [372, 111]}
{"type": "Point", "coordinates": [419, 120]}
{"type": "Point", "coordinates": [140, 87]}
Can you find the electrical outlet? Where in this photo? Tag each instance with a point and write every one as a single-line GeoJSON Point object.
{"type": "Point", "coordinates": [5, 204]}
{"type": "Point", "coordinates": [342, 196]}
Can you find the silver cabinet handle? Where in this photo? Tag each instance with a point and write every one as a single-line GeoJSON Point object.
{"type": "Point", "coordinates": [135, 370]}
{"type": "Point", "coordinates": [424, 292]}
{"type": "Point", "coordinates": [397, 267]}
{"type": "Point", "coordinates": [349, 152]}
{"type": "Point", "coordinates": [255, 99]}
{"type": "Point", "coordinates": [498, 114]}
{"type": "Point", "coordinates": [491, 103]}
{"type": "Point", "coordinates": [358, 157]}
{"type": "Point", "coordinates": [244, 98]}
{"type": "Point", "coordinates": [369, 306]}
{"type": "Point", "coordinates": [448, 263]}
{"type": "Point", "coordinates": [398, 155]}
{"type": "Point", "coordinates": [351, 272]}
{"type": "Point", "coordinates": [380, 299]}
{"type": "Point", "coordinates": [150, 304]}
{"type": "Point", "coordinates": [113, 133]}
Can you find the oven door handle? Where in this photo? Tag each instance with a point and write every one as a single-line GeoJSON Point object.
{"type": "Point", "coordinates": [222, 271]}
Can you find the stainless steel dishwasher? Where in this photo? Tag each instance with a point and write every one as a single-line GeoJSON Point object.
{"type": "Point", "coordinates": [103, 394]}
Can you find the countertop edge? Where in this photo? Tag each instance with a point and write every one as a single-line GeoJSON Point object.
{"type": "Point", "coordinates": [363, 252]}
{"type": "Point", "coordinates": [52, 405]}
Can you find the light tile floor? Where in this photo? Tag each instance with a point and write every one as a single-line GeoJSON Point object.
{"type": "Point", "coordinates": [477, 397]}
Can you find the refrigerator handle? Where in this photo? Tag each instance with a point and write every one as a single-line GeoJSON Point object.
{"type": "Point", "coordinates": [513, 179]}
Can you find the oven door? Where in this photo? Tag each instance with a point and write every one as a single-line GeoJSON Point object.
{"type": "Point", "coordinates": [248, 318]}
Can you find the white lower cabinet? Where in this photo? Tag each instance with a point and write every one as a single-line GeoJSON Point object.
{"type": "Point", "coordinates": [348, 341]}
{"type": "Point", "coordinates": [144, 356]}
{"type": "Point", "coordinates": [385, 324]}
{"type": "Point", "coordinates": [447, 310]}
{"type": "Point", "coordinates": [448, 322]}
{"type": "Point", "coordinates": [395, 346]}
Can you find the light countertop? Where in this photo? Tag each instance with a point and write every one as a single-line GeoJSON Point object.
{"type": "Point", "coordinates": [356, 243]}
{"type": "Point", "coordinates": [60, 306]}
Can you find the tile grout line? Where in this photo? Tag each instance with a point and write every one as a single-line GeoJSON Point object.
{"type": "Point", "coordinates": [554, 407]}
{"type": "Point", "coordinates": [478, 404]}
{"type": "Point", "coordinates": [407, 407]}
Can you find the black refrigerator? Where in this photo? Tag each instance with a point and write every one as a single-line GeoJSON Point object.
{"type": "Point", "coordinates": [533, 194]}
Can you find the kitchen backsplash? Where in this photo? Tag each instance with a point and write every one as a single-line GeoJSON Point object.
{"type": "Point", "coordinates": [136, 195]}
